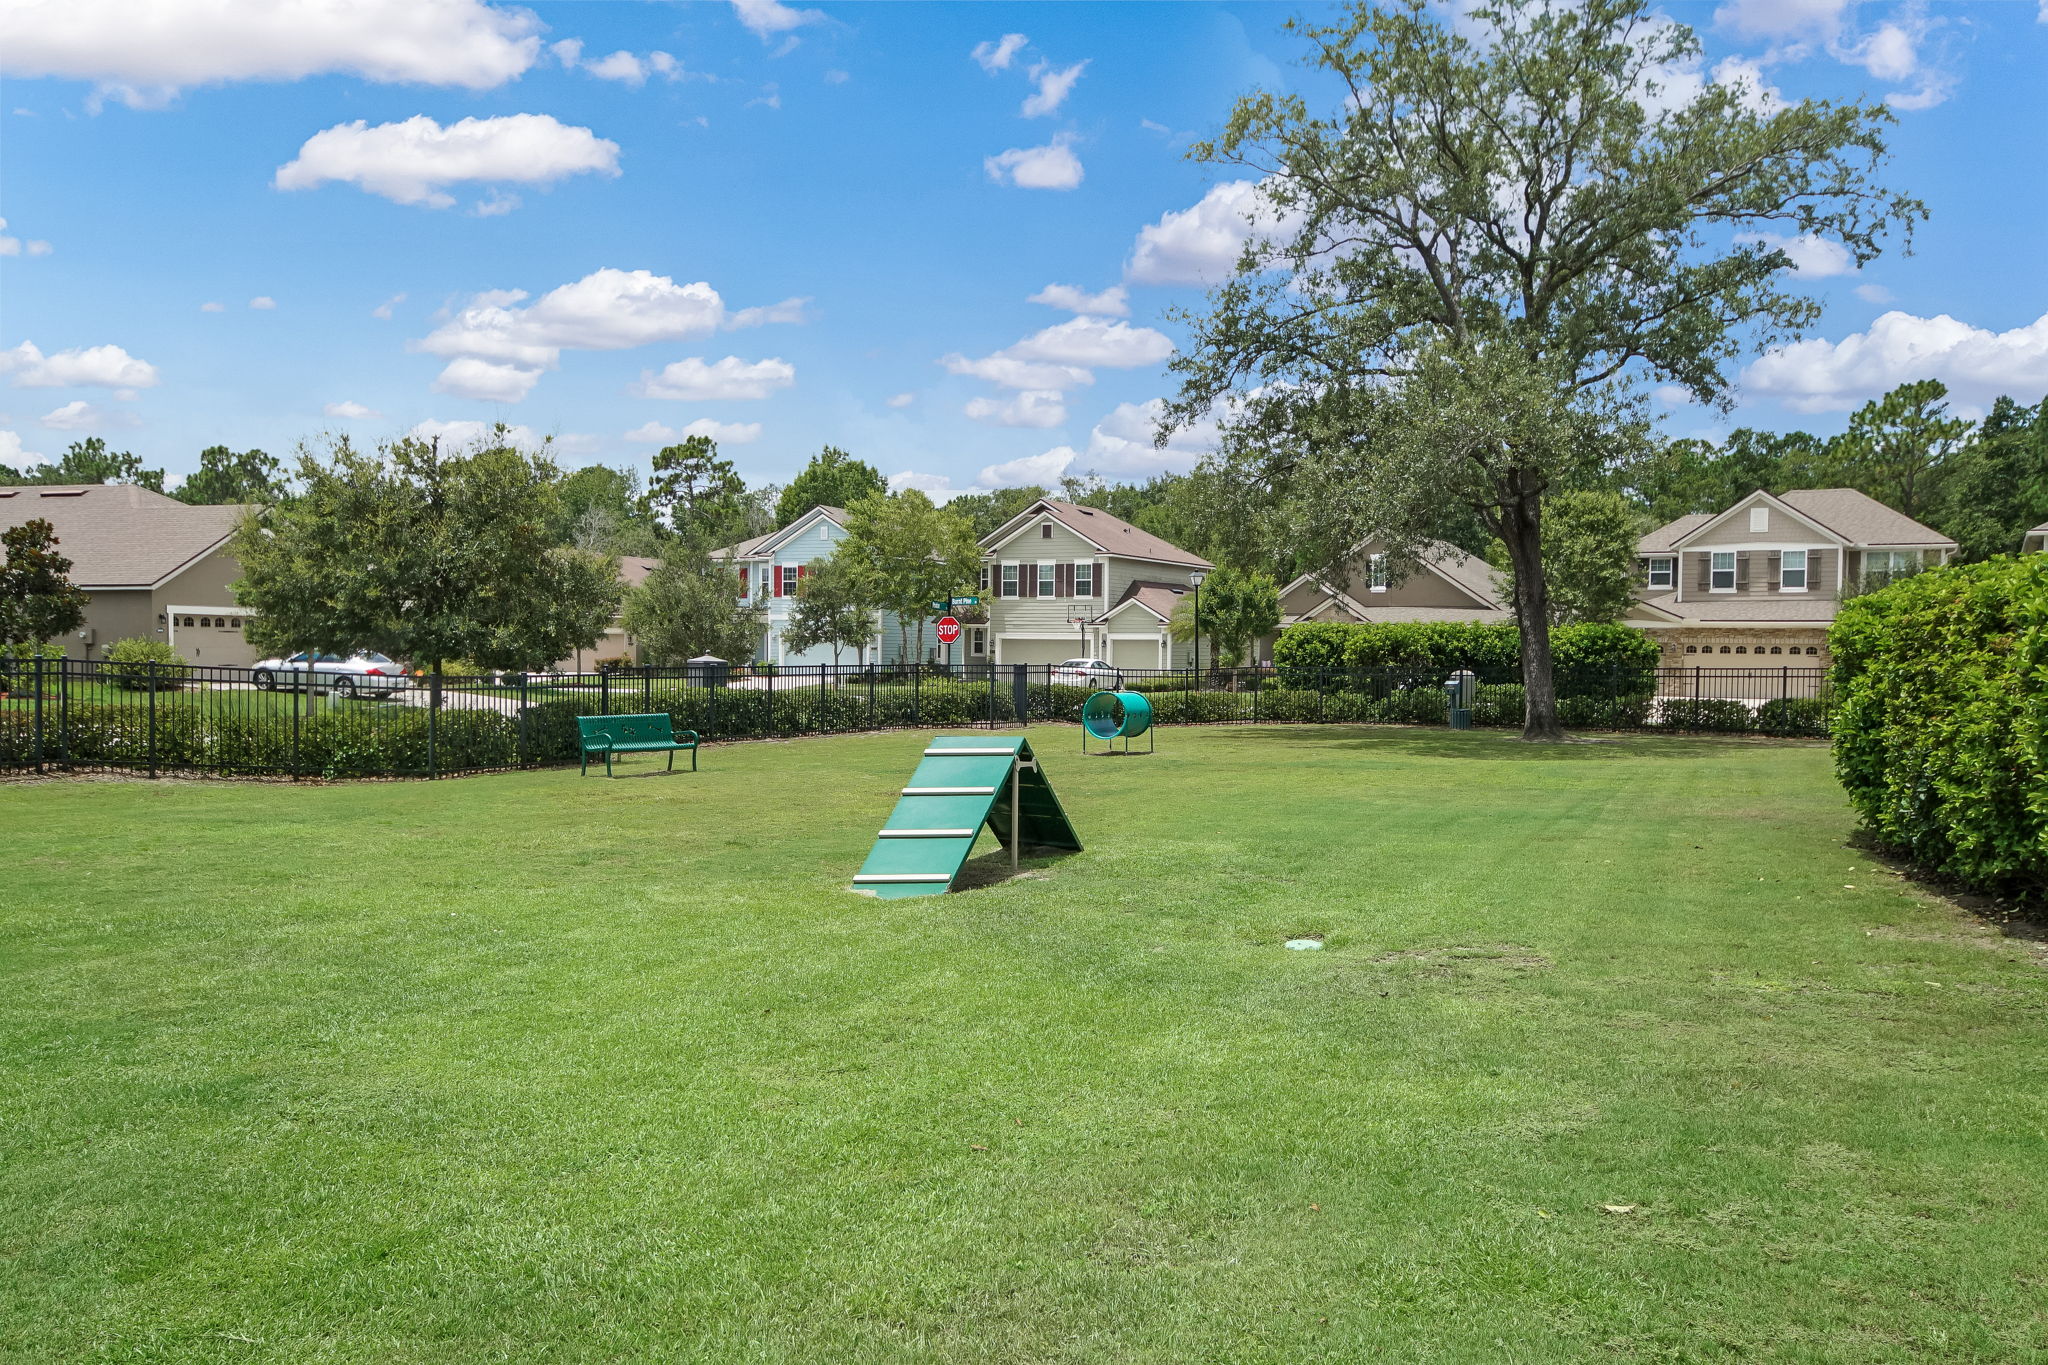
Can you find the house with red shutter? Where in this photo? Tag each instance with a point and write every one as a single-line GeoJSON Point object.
{"type": "Point", "coordinates": [770, 568]}
{"type": "Point", "coordinates": [1061, 580]}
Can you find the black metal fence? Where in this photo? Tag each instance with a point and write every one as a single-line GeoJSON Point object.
{"type": "Point", "coordinates": [72, 715]}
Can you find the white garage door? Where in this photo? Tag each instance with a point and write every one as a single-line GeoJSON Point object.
{"type": "Point", "coordinates": [1134, 653]}
{"type": "Point", "coordinates": [1025, 651]}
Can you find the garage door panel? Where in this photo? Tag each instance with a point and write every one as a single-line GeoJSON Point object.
{"type": "Point", "coordinates": [1016, 651]}
{"type": "Point", "coordinates": [1134, 653]}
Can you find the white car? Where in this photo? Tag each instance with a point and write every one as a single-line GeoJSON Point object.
{"type": "Point", "coordinates": [1086, 673]}
{"type": "Point", "coordinates": [364, 673]}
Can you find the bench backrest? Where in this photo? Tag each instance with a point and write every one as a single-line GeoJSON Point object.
{"type": "Point", "coordinates": [625, 729]}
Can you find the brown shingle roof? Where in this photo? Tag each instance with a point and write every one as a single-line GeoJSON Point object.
{"type": "Point", "coordinates": [117, 535]}
{"type": "Point", "coordinates": [1158, 598]}
{"type": "Point", "coordinates": [1739, 611]}
{"type": "Point", "coordinates": [1113, 534]}
{"type": "Point", "coordinates": [1861, 519]}
{"type": "Point", "coordinates": [1666, 537]}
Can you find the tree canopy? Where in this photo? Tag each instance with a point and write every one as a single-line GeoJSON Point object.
{"type": "Point", "coordinates": [89, 461]}
{"type": "Point", "coordinates": [691, 606]}
{"type": "Point", "coordinates": [1466, 271]}
{"type": "Point", "coordinates": [833, 478]}
{"type": "Point", "coordinates": [905, 553]}
{"type": "Point", "coordinates": [230, 476]}
{"type": "Point", "coordinates": [424, 555]}
{"type": "Point", "coordinates": [38, 600]}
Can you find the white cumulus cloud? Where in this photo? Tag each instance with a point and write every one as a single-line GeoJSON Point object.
{"type": "Point", "coordinates": [789, 310]}
{"type": "Point", "coordinates": [79, 415]}
{"type": "Point", "coordinates": [107, 367]}
{"type": "Point", "coordinates": [1051, 167]}
{"type": "Point", "coordinates": [766, 18]}
{"type": "Point", "coordinates": [725, 433]}
{"type": "Point", "coordinates": [1092, 342]}
{"type": "Point", "coordinates": [1030, 408]}
{"type": "Point", "coordinates": [652, 433]}
{"type": "Point", "coordinates": [461, 434]}
{"type": "Point", "coordinates": [14, 246]}
{"type": "Point", "coordinates": [410, 162]}
{"type": "Point", "coordinates": [214, 307]}
{"type": "Point", "coordinates": [1054, 85]}
{"type": "Point", "coordinates": [902, 400]}
{"type": "Point", "coordinates": [693, 380]}
{"type": "Point", "coordinates": [263, 303]}
{"type": "Point", "coordinates": [1113, 301]}
{"type": "Point", "coordinates": [1978, 365]}
{"type": "Point", "coordinates": [1042, 470]}
{"type": "Point", "coordinates": [12, 454]}
{"type": "Point", "coordinates": [487, 381]}
{"type": "Point", "coordinates": [1877, 293]}
{"type": "Point", "coordinates": [351, 410]}
{"type": "Point", "coordinates": [143, 52]}
{"type": "Point", "coordinates": [1200, 245]}
{"type": "Point", "coordinates": [1812, 257]}
{"type": "Point", "coordinates": [997, 54]}
{"type": "Point", "coordinates": [1008, 372]}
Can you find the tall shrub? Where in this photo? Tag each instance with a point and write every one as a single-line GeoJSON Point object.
{"type": "Point", "coordinates": [1942, 682]}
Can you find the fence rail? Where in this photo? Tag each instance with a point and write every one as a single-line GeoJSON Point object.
{"type": "Point", "coordinates": [72, 715]}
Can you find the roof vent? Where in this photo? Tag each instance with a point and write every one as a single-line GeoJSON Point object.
{"type": "Point", "coordinates": [65, 493]}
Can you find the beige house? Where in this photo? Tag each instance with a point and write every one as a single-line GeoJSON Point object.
{"type": "Point", "coordinates": [1061, 580]}
{"type": "Point", "coordinates": [1448, 585]}
{"type": "Point", "coordinates": [153, 566]}
{"type": "Point", "coordinates": [1766, 576]}
{"type": "Point", "coordinates": [614, 643]}
{"type": "Point", "coordinates": [2036, 540]}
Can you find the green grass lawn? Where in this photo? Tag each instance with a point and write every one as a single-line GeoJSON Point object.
{"type": "Point", "coordinates": [532, 1067]}
{"type": "Point", "coordinates": [226, 701]}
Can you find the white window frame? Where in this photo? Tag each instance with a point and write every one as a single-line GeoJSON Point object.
{"type": "Point", "coordinates": [977, 641]}
{"type": "Point", "coordinates": [1668, 567]}
{"type": "Point", "coordinates": [1048, 578]}
{"type": "Point", "coordinates": [1012, 581]}
{"type": "Point", "coordinates": [1896, 562]}
{"type": "Point", "coordinates": [1714, 570]}
{"type": "Point", "coordinates": [1785, 570]}
{"type": "Point", "coordinates": [1081, 567]}
{"type": "Point", "coordinates": [1759, 519]}
{"type": "Point", "coordinates": [1376, 573]}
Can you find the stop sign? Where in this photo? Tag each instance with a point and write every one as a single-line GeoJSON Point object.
{"type": "Point", "coordinates": [949, 630]}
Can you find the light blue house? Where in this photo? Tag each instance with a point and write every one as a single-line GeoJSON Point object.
{"type": "Point", "coordinates": [771, 566]}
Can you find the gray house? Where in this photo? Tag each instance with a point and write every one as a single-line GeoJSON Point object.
{"type": "Point", "coordinates": [1766, 576]}
{"type": "Point", "coordinates": [153, 566]}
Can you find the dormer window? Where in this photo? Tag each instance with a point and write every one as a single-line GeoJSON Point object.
{"type": "Point", "coordinates": [1045, 530]}
{"type": "Point", "coordinates": [1376, 573]}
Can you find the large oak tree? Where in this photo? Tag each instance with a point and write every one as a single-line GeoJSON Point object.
{"type": "Point", "coordinates": [1470, 266]}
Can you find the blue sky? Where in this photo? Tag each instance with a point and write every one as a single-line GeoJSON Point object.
{"type": "Point", "coordinates": [616, 222]}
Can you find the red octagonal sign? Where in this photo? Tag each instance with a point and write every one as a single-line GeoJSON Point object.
{"type": "Point", "coordinates": [949, 630]}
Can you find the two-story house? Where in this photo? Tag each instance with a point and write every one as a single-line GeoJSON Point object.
{"type": "Point", "coordinates": [2036, 540]}
{"type": "Point", "coordinates": [1765, 576]}
{"type": "Point", "coordinates": [1448, 585]}
{"type": "Point", "coordinates": [1061, 580]}
{"type": "Point", "coordinates": [770, 568]}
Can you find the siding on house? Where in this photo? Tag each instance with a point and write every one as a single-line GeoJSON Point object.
{"type": "Point", "coordinates": [1034, 628]}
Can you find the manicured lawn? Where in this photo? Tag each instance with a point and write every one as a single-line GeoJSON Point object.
{"type": "Point", "coordinates": [229, 701]}
{"type": "Point", "coordinates": [529, 1067]}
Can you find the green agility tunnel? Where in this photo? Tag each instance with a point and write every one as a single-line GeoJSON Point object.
{"type": "Point", "coordinates": [1116, 715]}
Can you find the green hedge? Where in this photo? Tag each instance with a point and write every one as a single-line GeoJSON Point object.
{"type": "Point", "coordinates": [1592, 660]}
{"type": "Point", "coordinates": [1941, 734]}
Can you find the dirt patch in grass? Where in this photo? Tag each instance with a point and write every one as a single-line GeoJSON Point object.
{"type": "Point", "coordinates": [1464, 960]}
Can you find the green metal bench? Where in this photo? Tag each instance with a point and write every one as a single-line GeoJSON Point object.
{"type": "Point", "coordinates": [609, 735]}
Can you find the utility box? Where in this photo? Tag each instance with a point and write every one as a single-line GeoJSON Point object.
{"type": "Point", "coordinates": [1461, 689]}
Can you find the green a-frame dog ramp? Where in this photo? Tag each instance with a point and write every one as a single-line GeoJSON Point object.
{"type": "Point", "coordinates": [963, 783]}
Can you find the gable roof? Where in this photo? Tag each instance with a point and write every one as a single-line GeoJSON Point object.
{"type": "Point", "coordinates": [775, 540]}
{"type": "Point", "coordinates": [1467, 573]}
{"type": "Point", "coordinates": [1850, 516]}
{"type": "Point", "coordinates": [1861, 519]}
{"type": "Point", "coordinates": [1158, 598]}
{"type": "Point", "coordinates": [1111, 535]}
{"type": "Point", "coordinates": [1666, 537]}
{"type": "Point", "coordinates": [118, 535]}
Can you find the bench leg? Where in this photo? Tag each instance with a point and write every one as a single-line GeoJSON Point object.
{"type": "Point", "coordinates": [608, 763]}
{"type": "Point", "coordinates": [671, 760]}
{"type": "Point", "coordinates": [693, 758]}
{"type": "Point", "coordinates": [583, 763]}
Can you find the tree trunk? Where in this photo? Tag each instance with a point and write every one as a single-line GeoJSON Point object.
{"type": "Point", "coordinates": [1521, 531]}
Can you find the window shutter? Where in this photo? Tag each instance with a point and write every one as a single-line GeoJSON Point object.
{"type": "Point", "coordinates": [743, 580]}
{"type": "Point", "coordinates": [1816, 570]}
{"type": "Point", "coordinates": [1706, 572]}
{"type": "Point", "coordinates": [1772, 584]}
{"type": "Point", "coordinates": [1063, 580]}
{"type": "Point", "coordinates": [1029, 571]}
{"type": "Point", "coordinates": [1742, 572]}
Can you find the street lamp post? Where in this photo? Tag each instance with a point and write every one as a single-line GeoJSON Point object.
{"type": "Point", "coordinates": [1196, 579]}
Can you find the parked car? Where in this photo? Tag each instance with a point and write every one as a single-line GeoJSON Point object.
{"type": "Point", "coordinates": [364, 673]}
{"type": "Point", "coordinates": [1087, 673]}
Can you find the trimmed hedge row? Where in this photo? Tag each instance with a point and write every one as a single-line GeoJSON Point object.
{"type": "Point", "coordinates": [1305, 654]}
{"type": "Point", "coordinates": [1941, 738]}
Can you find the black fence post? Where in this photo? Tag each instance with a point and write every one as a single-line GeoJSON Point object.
{"type": "Point", "coordinates": [916, 691]}
{"type": "Point", "coordinates": [1020, 692]}
{"type": "Point", "coordinates": [646, 689]}
{"type": "Point", "coordinates": [871, 691]}
{"type": "Point", "coordinates": [38, 722]}
{"type": "Point", "coordinates": [433, 725]}
{"type": "Point", "coordinates": [524, 748]}
{"type": "Point", "coordinates": [604, 691]}
{"type": "Point", "coordinates": [153, 680]}
{"type": "Point", "coordinates": [991, 720]}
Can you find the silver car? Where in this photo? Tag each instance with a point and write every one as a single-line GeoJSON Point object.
{"type": "Point", "coordinates": [364, 673]}
{"type": "Point", "coordinates": [1086, 673]}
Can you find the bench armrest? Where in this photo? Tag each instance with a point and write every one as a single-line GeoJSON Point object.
{"type": "Point", "coordinates": [686, 736]}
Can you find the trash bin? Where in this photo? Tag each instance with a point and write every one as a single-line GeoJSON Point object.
{"type": "Point", "coordinates": [1457, 700]}
{"type": "Point", "coordinates": [706, 670]}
